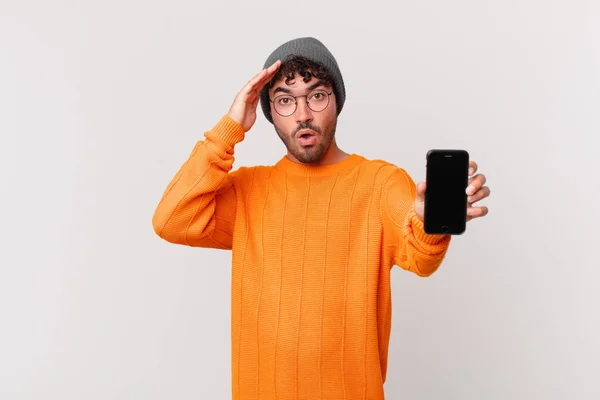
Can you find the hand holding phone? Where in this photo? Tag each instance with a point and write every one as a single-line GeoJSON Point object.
{"type": "Point", "coordinates": [445, 194]}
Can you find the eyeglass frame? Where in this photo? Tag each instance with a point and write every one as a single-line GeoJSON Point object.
{"type": "Point", "coordinates": [296, 101]}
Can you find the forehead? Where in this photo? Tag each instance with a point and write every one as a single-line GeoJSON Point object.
{"type": "Point", "coordinates": [297, 83]}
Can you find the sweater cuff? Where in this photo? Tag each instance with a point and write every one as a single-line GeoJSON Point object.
{"type": "Point", "coordinates": [227, 130]}
{"type": "Point", "coordinates": [418, 230]}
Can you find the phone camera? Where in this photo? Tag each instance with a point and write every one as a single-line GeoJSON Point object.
{"type": "Point", "coordinates": [445, 228]}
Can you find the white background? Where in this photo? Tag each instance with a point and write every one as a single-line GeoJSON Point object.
{"type": "Point", "coordinates": [101, 102]}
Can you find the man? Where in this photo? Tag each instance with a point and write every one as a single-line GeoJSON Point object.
{"type": "Point", "coordinates": [314, 236]}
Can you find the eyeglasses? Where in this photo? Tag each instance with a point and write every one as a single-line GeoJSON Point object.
{"type": "Point", "coordinates": [285, 104]}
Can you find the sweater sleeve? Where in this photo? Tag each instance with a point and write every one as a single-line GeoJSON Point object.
{"type": "Point", "coordinates": [198, 207]}
{"type": "Point", "coordinates": [404, 239]}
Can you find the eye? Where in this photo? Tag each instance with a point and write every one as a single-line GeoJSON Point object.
{"type": "Point", "coordinates": [318, 96]}
{"type": "Point", "coordinates": [285, 100]}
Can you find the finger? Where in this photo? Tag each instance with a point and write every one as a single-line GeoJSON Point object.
{"type": "Point", "coordinates": [246, 92]}
{"type": "Point", "coordinates": [256, 78]}
{"type": "Point", "coordinates": [262, 76]}
{"type": "Point", "coordinates": [475, 183]}
{"type": "Point", "coordinates": [421, 187]}
{"type": "Point", "coordinates": [256, 84]}
{"type": "Point", "coordinates": [479, 195]}
{"type": "Point", "coordinates": [274, 67]}
{"type": "Point", "coordinates": [472, 167]}
{"type": "Point", "coordinates": [476, 212]}
{"type": "Point", "coordinates": [271, 72]}
{"type": "Point", "coordinates": [267, 74]}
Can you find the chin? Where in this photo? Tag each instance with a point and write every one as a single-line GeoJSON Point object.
{"type": "Point", "coordinates": [310, 155]}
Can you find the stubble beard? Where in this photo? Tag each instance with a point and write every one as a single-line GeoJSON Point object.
{"type": "Point", "coordinates": [309, 154]}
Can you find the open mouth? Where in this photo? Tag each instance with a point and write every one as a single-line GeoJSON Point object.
{"type": "Point", "coordinates": [306, 133]}
{"type": "Point", "coordinates": [307, 138]}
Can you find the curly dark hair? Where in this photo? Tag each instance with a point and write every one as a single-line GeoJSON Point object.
{"type": "Point", "coordinates": [293, 64]}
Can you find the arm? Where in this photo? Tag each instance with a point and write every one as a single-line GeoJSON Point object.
{"type": "Point", "coordinates": [404, 239]}
{"type": "Point", "coordinates": [199, 205]}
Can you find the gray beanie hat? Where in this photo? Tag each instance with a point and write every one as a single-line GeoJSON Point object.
{"type": "Point", "coordinates": [313, 50]}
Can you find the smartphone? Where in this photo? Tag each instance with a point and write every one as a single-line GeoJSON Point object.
{"type": "Point", "coordinates": [445, 192]}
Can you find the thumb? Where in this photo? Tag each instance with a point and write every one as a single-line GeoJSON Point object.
{"type": "Point", "coordinates": [421, 192]}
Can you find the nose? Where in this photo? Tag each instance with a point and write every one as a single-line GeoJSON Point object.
{"type": "Point", "coordinates": [303, 113]}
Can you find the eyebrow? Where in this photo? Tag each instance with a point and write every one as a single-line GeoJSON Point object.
{"type": "Point", "coordinates": [311, 87]}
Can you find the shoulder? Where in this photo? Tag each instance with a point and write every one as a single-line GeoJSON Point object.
{"type": "Point", "coordinates": [246, 175]}
{"type": "Point", "coordinates": [386, 172]}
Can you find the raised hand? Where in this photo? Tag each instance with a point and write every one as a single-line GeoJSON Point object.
{"type": "Point", "coordinates": [243, 109]}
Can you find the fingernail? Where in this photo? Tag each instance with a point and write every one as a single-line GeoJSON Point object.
{"type": "Point", "coordinates": [471, 171]}
{"type": "Point", "coordinates": [470, 189]}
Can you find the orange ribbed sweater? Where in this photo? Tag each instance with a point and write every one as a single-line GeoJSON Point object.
{"type": "Point", "coordinates": [313, 247]}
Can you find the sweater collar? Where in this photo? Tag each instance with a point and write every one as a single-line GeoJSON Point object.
{"type": "Point", "coordinates": [294, 168]}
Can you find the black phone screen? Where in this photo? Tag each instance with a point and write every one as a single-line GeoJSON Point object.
{"type": "Point", "coordinates": [445, 194]}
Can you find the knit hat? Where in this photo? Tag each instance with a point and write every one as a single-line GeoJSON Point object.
{"type": "Point", "coordinates": [313, 50]}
